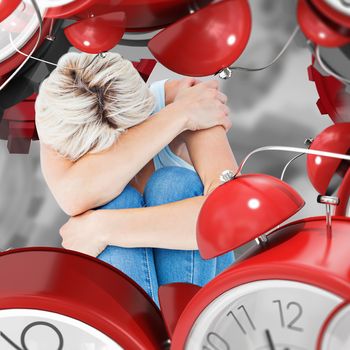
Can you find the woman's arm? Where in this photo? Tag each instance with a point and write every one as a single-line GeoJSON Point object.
{"type": "Point", "coordinates": [96, 179]}
{"type": "Point", "coordinates": [172, 225]}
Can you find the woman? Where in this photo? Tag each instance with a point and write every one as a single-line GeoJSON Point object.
{"type": "Point", "coordinates": [147, 175]}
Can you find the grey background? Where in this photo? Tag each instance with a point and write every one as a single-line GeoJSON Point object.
{"type": "Point", "coordinates": [273, 107]}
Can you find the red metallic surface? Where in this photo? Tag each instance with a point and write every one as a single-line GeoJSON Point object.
{"type": "Point", "coordinates": [18, 126]}
{"type": "Point", "coordinates": [316, 29]}
{"type": "Point", "coordinates": [243, 209]}
{"type": "Point", "coordinates": [20, 135]}
{"type": "Point", "coordinates": [7, 7]}
{"type": "Point", "coordinates": [343, 195]}
{"type": "Point", "coordinates": [24, 130]}
{"type": "Point", "coordinates": [300, 251]}
{"type": "Point", "coordinates": [173, 299]}
{"type": "Point", "coordinates": [24, 111]}
{"type": "Point", "coordinates": [97, 34]}
{"type": "Point", "coordinates": [83, 288]}
{"type": "Point", "coordinates": [327, 322]}
{"type": "Point", "coordinates": [145, 67]}
{"type": "Point", "coordinates": [331, 13]}
{"type": "Point", "coordinates": [141, 14]}
{"type": "Point", "coordinates": [206, 41]}
{"type": "Point", "coordinates": [16, 59]}
{"type": "Point", "coordinates": [334, 100]}
{"type": "Point", "coordinates": [335, 138]}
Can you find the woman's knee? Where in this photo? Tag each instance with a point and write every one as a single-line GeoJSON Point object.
{"type": "Point", "coordinates": [171, 184]}
{"type": "Point", "coordinates": [129, 198]}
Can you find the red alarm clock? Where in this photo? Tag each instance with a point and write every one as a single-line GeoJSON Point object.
{"type": "Point", "coordinates": [277, 297]}
{"type": "Point", "coordinates": [55, 299]}
{"type": "Point", "coordinates": [282, 292]}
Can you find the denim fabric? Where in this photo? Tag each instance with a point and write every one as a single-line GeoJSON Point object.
{"type": "Point", "coordinates": [152, 267]}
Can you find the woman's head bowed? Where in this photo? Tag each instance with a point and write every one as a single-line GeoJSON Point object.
{"type": "Point", "coordinates": [81, 110]}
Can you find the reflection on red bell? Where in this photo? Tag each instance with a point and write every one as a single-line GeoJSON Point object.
{"type": "Point", "coordinates": [335, 138]}
{"type": "Point", "coordinates": [97, 34]}
{"type": "Point", "coordinates": [243, 209]}
{"type": "Point", "coordinates": [7, 7]}
{"type": "Point", "coordinates": [206, 41]}
{"type": "Point", "coordinates": [317, 29]}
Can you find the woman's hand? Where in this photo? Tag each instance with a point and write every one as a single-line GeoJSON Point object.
{"type": "Point", "coordinates": [203, 105]}
{"type": "Point", "coordinates": [83, 234]}
{"type": "Point", "coordinates": [173, 86]}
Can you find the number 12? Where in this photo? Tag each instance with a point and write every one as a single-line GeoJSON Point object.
{"type": "Point", "coordinates": [291, 305]}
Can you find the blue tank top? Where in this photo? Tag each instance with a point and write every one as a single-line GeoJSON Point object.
{"type": "Point", "coordinates": [165, 157]}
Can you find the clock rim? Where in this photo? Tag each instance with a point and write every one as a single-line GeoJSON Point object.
{"type": "Point", "coordinates": [82, 255]}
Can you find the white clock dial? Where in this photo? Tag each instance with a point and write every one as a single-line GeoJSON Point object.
{"type": "Point", "coordinates": [263, 315]}
{"type": "Point", "coordinates": [29, 329]}
{"type": "Point", "coordinates": [337, 334]}
{"type": "Point", "coordinates": [342, 6]}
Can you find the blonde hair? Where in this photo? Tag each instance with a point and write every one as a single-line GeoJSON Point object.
{"type": "Point", "coordinates": [81, 110]}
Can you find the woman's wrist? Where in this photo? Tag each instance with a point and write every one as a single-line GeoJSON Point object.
{"type": "Point", "coordinates": [101, 222]}
{"type": "Point", "coordinates": [177, 116]}
{"type": "Point", "coordinates": [112, 228]}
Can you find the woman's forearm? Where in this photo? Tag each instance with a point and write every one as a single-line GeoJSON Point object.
{"type": "Point", "coordinates": [171, 226]}
{"type": "Point", "coordinates": [103, 176]}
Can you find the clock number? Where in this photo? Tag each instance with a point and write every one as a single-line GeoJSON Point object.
{"type": "Point", "coordinates": [24, 333]}
{"type": "Point", "coordinates": [230, 313]}
{"type": "Point", "coordinates": [216, 342]}
{"type": "Point", "coordinates": [296, 318]}
{"type": "Point", "coordinates": [291, 305]}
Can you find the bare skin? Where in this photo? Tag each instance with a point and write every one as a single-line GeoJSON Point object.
{"type": "Point", "coordinates": [95, 179]}
{"type": "Point", "coordinates": [194, 123]}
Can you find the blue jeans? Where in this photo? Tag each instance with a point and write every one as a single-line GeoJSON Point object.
{"type": "Point", "coordinates": [153, 267]}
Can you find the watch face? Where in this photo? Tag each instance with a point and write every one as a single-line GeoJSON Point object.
{"type": "Point", "coordinates": [336, 334]}
{"type": "Point", "coordinates": [342, 6]}
{"type": "Point", "coordinates": [30, 329]}
{"type": "Point", "coordinates": [263, 315]}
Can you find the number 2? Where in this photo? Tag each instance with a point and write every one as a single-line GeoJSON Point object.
{"type": "Point", "coordinates": [290, 306]}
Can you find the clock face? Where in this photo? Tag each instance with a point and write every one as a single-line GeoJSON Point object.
{"type": "Point", "coordinates": [336, 334]}
{"type": "Point", "coordinates": [342, 6]}
{"type": "Point", "coordinates": [29, 329]}
{"type": "Point", "coordinates": [263, 315]}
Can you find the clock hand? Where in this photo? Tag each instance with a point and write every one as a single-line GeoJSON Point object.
{"type": "Point", "coordinates": [269, 340]}
{"type": "Point", "coordinates": [10, 341]}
